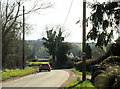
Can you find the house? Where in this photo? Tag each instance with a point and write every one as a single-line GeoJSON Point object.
{"type": "Point", "coordinates": [70, 55]}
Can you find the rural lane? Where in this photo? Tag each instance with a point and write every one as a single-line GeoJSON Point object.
{"type": "Point", "coordinates": [55, 78]}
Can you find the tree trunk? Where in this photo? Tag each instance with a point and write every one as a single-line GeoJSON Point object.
{"type": "Point", "coordinates": [53, 57]}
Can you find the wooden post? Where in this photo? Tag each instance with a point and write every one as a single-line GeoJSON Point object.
{"type": "Point", "coordinates": [0, 38]}
{"type": "Point", "coordinates": [23, 38]}
{"type": "Point", "coordinates": [84, 42]}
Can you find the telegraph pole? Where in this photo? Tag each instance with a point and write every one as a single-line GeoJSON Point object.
{"type": "Point", "coordinates": [23, 38]}
{"type": "Point", "coordinates": [0, 39]}
{"type": "Point", "coordinates": [84, 42]}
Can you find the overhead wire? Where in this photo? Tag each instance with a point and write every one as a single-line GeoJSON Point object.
{"type": "Point", "coordinates": [68, 12]}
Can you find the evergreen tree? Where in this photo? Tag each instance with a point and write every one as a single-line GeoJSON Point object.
{"type": "Point", "coordinates": [105, 20]}
{"type": "Point", "coordinates": [55, 46]}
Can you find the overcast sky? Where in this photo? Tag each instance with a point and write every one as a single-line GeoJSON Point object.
{"type": "Point", "coordinates": [57, 16]}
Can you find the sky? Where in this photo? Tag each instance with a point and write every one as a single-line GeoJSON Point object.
{"type": "Point", "coordinates": [56, 16]}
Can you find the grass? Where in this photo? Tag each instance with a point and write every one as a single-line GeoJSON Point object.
{"type": "Point", "coordinates": [80, 73]}
{"type": "Point", "coordinates": [80, 85]}
{"type": "Point", "coordinates": [76, 71]}
{"type": "Point", "coordinates": [35, 67]}
{"type": "Point", "coordinates": [6, 73]}
{"type": "Point", "coordinates": [43, 59]}
{"type": "Point", "coordinates": [40, 61]}
{"type": "Point", "coordinates": [37, 62]}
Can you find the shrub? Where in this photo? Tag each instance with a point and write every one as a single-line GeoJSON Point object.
{"type": "Point", "coordinates": [70, 64]}
{"type": "Point", "coordinates": [113, 49]}
{"type": "Point", "coordinates": [13, 61]}
{"type": "Point", "coordinates": [95, 74]}
{"type": "Point", "coordinates": [109, 78]}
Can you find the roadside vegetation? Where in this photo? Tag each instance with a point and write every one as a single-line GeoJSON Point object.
{"type": "Point", "coordinates": [55, 46]}
{"type": "Point", "coordinates": [42, 59]}
{"type": "Point", "coordinates": [79, 84]}
{"type": "Point", "coordinates": [108, 78]}
{"type": "Point", "coordinates": [104, 21]}
{"type": "Point", "coordinates": [38, 61]}
{"type": "Point", "coordinates": [78, 72]}
{"type": "Point", "coordinates": [12, 28]}
{"type": "Point", "coordinates": [9, 73]}
{"type": "Point", "coordinates": [32, 63]}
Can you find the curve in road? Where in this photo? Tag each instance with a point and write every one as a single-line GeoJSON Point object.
{"type": "Point", "coordinates": [55, 78]}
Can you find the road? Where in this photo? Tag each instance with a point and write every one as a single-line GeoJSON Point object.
{"type": "Point", "coordinates": [42, 79]}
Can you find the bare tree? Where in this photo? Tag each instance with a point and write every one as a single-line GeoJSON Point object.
{"type": "Point", "coordinates": [12, 22]}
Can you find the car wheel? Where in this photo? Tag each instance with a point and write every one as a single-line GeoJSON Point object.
{"type": "Point", "coordinates": [37, 71]}
{"type": "Point", "coordinates": [49, 70]}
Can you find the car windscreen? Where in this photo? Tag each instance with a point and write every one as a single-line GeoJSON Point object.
{"type": "Point", "coordinates": [45, 65]}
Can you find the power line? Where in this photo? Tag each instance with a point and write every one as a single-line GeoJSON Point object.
{"type": "Point", "coordinates": [68, 12]}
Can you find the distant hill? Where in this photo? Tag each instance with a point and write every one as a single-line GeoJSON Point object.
{"type": "Point", "coordinates": [39, 50]}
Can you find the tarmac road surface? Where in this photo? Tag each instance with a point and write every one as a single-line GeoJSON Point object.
{"type": "Point", "coordinates": [54, 78]}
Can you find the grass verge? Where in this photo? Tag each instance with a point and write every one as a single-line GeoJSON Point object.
{"type": "Point", "coordinates": [80, 73]}
{"type": "Point", "coordinates": [78, 84]}
{"type": "Point", "coordinates": [7, 74]}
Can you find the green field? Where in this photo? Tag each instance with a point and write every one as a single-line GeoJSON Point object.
{"type": "Point", "coordinates": [43, 59]}
{"type": "Point", "coordinates": [37, 62]}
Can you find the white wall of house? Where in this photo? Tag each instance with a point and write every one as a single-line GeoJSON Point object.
{"type": "Point", "coordinates": [70, 55]}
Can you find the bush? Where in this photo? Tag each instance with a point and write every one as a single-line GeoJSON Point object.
{"type": "Point", "coordinates": [109, 78]}
{"type": "Point", "coordinates": [95, 74]}
{"type": "Point", "coordinates": [13, 61]}
{"type": "Point", "coordinates": [104, 81]}
{"type": "Point", "coordinates": [70, 64]}
{"type": "Point", "coordinates": [113, 49]}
